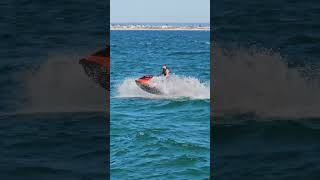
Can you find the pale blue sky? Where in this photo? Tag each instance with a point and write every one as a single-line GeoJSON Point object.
{"type": "Point", "coordinates": [174, 11]}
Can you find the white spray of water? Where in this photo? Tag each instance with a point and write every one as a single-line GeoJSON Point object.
{"type": "Point", "coordinates": [260, 81]}
{"type": "Point", "coordinates": [60, 85]}
{"type": "Point", "coordinates": [173, 87]}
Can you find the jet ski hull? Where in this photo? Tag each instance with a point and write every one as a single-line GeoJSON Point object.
{"type": "Point", "coordinates": [96, 67]}
{"type": "Point", "coordinates": [144, 84]}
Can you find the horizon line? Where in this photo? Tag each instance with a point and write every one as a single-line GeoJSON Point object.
{"type": "Point", "coordinates": [165, 22]}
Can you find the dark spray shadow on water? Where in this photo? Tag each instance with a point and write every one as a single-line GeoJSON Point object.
{"type": "Point", "coordinates": [259, 81]}
{"type": "Point", "coordinates": [60, 85]}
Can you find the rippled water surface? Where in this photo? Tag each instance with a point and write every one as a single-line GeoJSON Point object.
{"type": "Point", "coordinates": [52, 117]}
{"type": "Point", "coordinates": [160, 136]}
{"type": "Point", "coordinates": [267, 93]}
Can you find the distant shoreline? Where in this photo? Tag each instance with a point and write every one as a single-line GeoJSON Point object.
{"type": "Point", "coordinates": [158, 28]}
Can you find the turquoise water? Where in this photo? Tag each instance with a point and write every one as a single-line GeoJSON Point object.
{"type": "Point", "coordinates": [167, 136]}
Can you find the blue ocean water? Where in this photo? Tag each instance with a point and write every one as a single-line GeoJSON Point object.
{"type": "Point", "coordinates": [53, 118]}
{"type": "Point", "coordinates": [160, 136]}
{"type": "Point", "coordinates": [266, 90]}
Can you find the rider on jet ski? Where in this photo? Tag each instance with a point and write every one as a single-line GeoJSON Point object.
{"type": "Point", "coordinates": [165, 71]}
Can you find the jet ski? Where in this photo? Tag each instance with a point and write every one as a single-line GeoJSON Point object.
{"type": "Point", "coordinates": [144, 84]}
{"type": "Point", "coordinates": [97, 67]}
